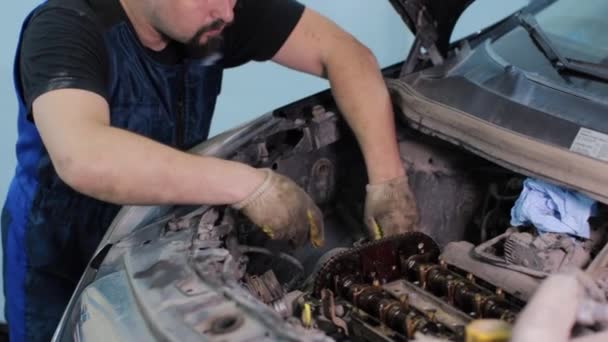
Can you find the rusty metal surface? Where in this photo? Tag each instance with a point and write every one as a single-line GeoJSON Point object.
{"type": "Point", "coordinates": [400, 282]}
{"type": "Point", "coordinates": [266, 287]}
{"type": "Point", "coordinates": [519, 285]}
{"type": "Point", "coordinates": [423, 301]}
{"type": "Point", "coordinates": [357, 275]}
{"type": "Point", "coordinates": [447, 196]}
{"type": "Point", "coordinates": [329, 310]}
{"type": "Point", "coordinates": [363, 257]}
{"type": "Point", "coordinates": [463, 292]}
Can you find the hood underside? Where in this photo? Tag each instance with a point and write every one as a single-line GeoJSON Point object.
{"type": "Point", "coordinates": [432, 21]}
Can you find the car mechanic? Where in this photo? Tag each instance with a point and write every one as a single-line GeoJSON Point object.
{"type": "Point", "coordinates": [111, 94]}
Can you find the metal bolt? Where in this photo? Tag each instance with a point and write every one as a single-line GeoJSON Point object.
{"type": "Point", "coordinates": [431, 315]}
{"type": "Point", "coordinates": [477, 298]}
{"type": "Point", "coordinates": [500, 293]}
{"type": "Point", "coordinates": [471, 277]}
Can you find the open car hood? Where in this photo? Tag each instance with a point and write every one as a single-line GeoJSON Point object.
{"type": "Point", "coordinates": [514, 110]}
{"type": "Point", "coordinates": [431, 21]}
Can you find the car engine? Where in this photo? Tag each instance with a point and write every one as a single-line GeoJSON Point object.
{"type": "Point", "coordinates": [386, 290]}
{"type": "Point", "coordinates": [207, 271]}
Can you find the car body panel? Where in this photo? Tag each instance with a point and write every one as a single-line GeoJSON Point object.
{"type": "Point", "coordinates": [514, 151]}
{"type": "Point", "coordinates": [508, 104]}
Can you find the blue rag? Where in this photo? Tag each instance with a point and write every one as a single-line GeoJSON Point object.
{"type": "Point", "coordinates": [551, 208]}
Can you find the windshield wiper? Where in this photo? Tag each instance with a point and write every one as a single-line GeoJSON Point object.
{"type": "Point", "coordinates": [561, 63]}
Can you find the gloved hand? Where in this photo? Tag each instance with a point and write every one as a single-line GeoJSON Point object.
{"type": "Point", "coordinates": [390, 208]}
{"type": "Point", "coordinates": [284, 211]}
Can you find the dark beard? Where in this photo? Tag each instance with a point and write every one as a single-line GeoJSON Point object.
{"type": "Point", "coordinates": [213, 45]}
{"type": "Point", "coordinates": [216, 25]}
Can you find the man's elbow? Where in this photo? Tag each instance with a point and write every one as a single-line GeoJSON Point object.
{"type": "Point", "coordinates": [80, 174]}
{"type": "Point", "coordinates": [350, 49]}
{"type": "Point", "coordinates": [366, 55]}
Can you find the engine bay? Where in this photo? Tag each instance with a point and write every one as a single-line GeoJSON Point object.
{"type": "Point", "coordinates": [208, 271]}
{"type": "Point", "coordinates": [465, 264]}
{"type": "Point", "coordinates": [399, 288]}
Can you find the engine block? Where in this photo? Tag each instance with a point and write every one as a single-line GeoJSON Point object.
{"type": "Point", "coordinates": [393, 288]}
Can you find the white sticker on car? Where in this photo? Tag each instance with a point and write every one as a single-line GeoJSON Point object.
{"type": "Point", "coordinates": [591, 143]}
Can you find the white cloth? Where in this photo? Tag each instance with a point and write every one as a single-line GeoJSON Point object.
{"type": "Point", "coordinates": [551, 208]}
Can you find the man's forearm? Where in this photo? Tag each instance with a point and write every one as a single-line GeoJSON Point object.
{"type": "Point", "coordinates": [120, 167]}
{"type": "Point", "coordinates": [362, 96]}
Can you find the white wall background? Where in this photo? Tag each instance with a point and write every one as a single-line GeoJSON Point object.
{"type": "Point", "coordinates": [256, 88]}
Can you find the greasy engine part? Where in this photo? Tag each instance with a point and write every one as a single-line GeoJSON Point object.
{"type": "Point", "coordinates": [356, 275]}
{"type": "Point", "coordinates": [458, 255]}
{"type": "Point", "coordinates": [330, 310]}
{"type": "Point", "coordinates": [375, 261]}
{"type": "Point", "coordinates": [432, 306]}
{"type": "Point", "coordinates": [269, 290]}
{"type": "Point", "coordinates": [459, 291]}
{"type": "Point", "coordinates": [549, 252]}
{"type": "Point", "coordinates": [265, 287]}
{"type": "Point", "coordinates": [395, 314]}
{"type": "Point", "coordinates": [185, 275]}
{"type": "Point", "coordinates": [534, 255]}
{"type": "Point", "coordinates": [401, 284]}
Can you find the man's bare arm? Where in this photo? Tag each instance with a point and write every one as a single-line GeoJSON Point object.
{"type": "Point", "coordinates": [121, 167]}
{"type": "Point", "coordinates": [318, 46]}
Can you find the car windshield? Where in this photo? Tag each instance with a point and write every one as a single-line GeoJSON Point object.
{"type": "Point", "coordinates": [482, 14]}
{"type": "Point", "coordinates": [578, 28]}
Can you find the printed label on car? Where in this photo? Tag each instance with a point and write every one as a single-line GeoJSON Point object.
{"type": "Point", "coordinates": [591, 143]}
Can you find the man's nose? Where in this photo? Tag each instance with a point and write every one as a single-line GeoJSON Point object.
{"type": "Point", "coordinates": [224, 10]}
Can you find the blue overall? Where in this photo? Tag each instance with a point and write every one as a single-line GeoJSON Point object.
{"type": "Point", "coordinates": [49, 231]}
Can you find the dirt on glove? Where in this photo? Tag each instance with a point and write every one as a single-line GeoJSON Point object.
{"type": "Point", "coordinates": [284, 211]}
{"type": "Point", "coordinates": [390, 208]}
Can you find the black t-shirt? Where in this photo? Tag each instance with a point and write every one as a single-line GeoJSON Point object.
{"type": "Point", "coordinates": [63, 45]}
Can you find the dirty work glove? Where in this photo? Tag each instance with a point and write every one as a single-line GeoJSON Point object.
{"type": "Point", "coordinates": [284, 211]}
{"type": "Point", "coordinates": [390, 208]}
